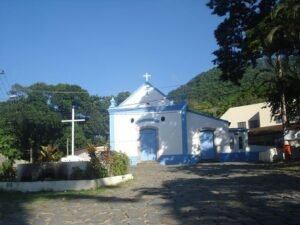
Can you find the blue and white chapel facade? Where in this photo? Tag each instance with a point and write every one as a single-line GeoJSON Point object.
{"type": "Point", "coordinates": [148, 126]}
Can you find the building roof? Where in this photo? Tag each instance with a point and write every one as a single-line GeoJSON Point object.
{"type": "Point", "coordinates": [145, 95]}
{"type": "Point", "coordinates": [148, 98]}
{"type": "Point", "coordinates": [271, 129]}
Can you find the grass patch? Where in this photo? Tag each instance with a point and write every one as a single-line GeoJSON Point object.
{"type": "Point", "coordinates": [295, 168]}
{"type": "Point", "coordinates": [290, 166]}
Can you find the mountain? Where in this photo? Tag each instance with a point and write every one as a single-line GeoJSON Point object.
{"type": "Point", "coordinates": [207, 93]}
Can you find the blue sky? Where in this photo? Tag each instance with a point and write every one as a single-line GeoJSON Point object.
{"type": "Point", "coordinates": [105, 46]}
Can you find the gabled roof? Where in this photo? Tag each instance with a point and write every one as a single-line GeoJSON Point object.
{"type": "Point", "coordinates": [208, 116]}
{"type": "Point", "coordinates": [145, 95]}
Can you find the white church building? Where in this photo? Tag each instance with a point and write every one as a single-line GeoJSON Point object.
{"type": "Point", "coordinates": [148, 126]}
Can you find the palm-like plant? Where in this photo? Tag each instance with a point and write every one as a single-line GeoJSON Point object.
{"type": "Point", "coordinates": [91, 150]}
{"type": "Point", "coordinates": [49, 154]}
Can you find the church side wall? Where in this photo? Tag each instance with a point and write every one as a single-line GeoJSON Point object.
{"type": "Point", "coordinates": [196, 123]}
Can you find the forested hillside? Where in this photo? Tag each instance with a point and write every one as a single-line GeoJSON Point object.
{"type": "Point", "coordinates": [208, 94]}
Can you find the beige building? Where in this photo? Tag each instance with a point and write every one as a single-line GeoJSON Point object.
{"type": "Point", "coordinates": [250, 116]}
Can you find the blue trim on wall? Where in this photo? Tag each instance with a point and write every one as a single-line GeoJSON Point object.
{"type": "Point", "coordinates": [112, 132]}
{"type": "Point", "coordinates": [178, 159]}
{"type": "Point", "coordinates": [175, 107]}
{"type": "Point", "coordinates": [184, 131]}
{"type": "Point", "coordinates": [208, 116]}
{"type": "Point", "coordinates": [147, 120]}
{"type": "Point", "coordinates": [239, 157]}
{"type": "Point", "coordinates": [133, 160]}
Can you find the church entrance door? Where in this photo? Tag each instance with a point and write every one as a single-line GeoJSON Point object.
{"type": "Point", "coordinates": [148, 143]}
{"type": "Point", "coordinates": [207, 145]}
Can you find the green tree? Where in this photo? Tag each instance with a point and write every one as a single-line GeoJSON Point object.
{"type": "Point", "coordinates": [33, 117]}
{"type": "Point", "coordinates": [7, 146]}
{"type": "Point", "coordinates": [258, 30]}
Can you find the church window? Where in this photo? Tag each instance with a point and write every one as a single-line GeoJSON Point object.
{"type": "Point", "coordinates": [242, 125]}
{"type": "Point", "coordinates": [241, 143]}
{"type": "Point", "coordinates": [231, 143]}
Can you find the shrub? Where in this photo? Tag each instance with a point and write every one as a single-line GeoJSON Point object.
{"type": "Point", "coordinates": [119, 164]}
{"type": "Point", "coordinates": [109, 163]}
{"type": "Point", "coordinates": [7, 171]}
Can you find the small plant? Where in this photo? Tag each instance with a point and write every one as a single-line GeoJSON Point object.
{"type": "Point", "coordinates": [49, 154]}
{"type": "Point", "coordinates": [91, 150]}
{"type": "Point", "coordinates": [7, 171]}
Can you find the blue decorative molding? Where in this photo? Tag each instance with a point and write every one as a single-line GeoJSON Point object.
{"type": "Point", "coordinates": [239, 157]}
{"type": "Point", "coordinates": [184, 131]}
{"type": "Point", "coordinates": [112, 132]}
{"type": "Point", "coordinates": [147, 120]}
{"type": "Point", "coordinates": [178, 159]}
{"type": "Point", "coordinates": [175, 107]}
{"type": "Point", "coordinates": [133, 160]}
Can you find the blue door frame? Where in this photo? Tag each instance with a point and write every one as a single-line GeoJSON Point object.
{"type": "Point", "coordinates": [148, 144]}
{"type": "Point", "coordinates": [207, 145]}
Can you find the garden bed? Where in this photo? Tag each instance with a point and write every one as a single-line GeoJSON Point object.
{"type": "Point", "coordinates": [64, 185]}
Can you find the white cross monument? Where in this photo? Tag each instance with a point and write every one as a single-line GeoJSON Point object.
{"type": "Point", "coordinates": [147, 76]}
{"type": "Point", "coordinates": [73, 127]}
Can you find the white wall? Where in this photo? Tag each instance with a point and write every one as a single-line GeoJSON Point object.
{"type": "Point", "coordinates": [127, 133]}
{"type": "Point", "coordinates": [245, 113]}
{"type": "Point", "coordinates": [196, 122]}
{"type": "Point", "coordinates": [235, 136]}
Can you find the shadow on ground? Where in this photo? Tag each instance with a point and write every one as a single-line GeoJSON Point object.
{"type": "Point", "coordinates": [208, 193]}
{"type": "Point", "coordinates": [14, 205]}
{"type": "Point", "coordinates": [231, 194]}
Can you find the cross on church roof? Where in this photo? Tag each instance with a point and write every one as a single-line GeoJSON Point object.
{"type": "Point", "coordinates": [147, 76]}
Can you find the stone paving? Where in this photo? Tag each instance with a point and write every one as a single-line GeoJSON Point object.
{"type": "Point", "coordinates": [207, 193]}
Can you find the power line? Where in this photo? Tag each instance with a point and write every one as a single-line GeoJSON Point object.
{"type": "Point", "coordinates": [55, 92]}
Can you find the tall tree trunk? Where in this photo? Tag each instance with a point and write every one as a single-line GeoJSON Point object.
{"type": "Point", "coordinates": [282, 98]}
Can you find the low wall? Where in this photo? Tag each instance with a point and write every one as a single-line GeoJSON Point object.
{"type": "Point", "coordinates": [48, 170]}
{"type": "Point", "coordinates": [64, 185]}
{"type": "Point", "coordinates": [271, 155]}
{"type": "Point", "coordinates": [254, 153]}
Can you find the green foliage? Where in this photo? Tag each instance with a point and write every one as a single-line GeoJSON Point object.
{"type": "Point", "coordinates": [261, 30]}
{"type": "Point", "coordinates": [119, 164]}
{"type": "Point", "coordinates": [49, 154]}
{"type": "Point", "coordinates": [109, 163]}
{"type": "Point", "coordinates": [6, 146]}
{"type": "Point", "coordinates": [208, 94]}
{"type": "Point", "coordinates": [7, 171]}
{"type": "Point", "coordinates": [33, 118]}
